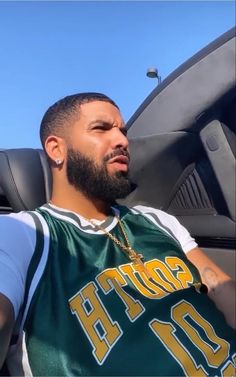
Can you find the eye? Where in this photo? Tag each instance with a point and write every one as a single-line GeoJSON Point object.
{"type": "Point", "coordinates": [100, 127]}
{"type": "Point", "coordinates": [124, 131]}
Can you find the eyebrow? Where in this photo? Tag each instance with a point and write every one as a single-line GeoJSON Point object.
{"type": "Point", "coordinates": [99, 121]}
{"type": "Point", "coordinates": [105, 122]}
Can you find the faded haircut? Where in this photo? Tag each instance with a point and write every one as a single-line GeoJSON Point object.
{"type": "Point", "coordinates": [65, 111]}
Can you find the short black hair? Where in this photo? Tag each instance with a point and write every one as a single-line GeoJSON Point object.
{"type": "Point", "coordinates": [63, 111]}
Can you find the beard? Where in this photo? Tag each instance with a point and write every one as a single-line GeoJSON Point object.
{"type": "Point", "coordinates": [94, 181]}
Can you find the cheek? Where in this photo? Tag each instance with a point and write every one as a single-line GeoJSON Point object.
{"type": "Point", "coordinates": [91, 146]}
{"type": "Point", "coordinates": [97, 148]}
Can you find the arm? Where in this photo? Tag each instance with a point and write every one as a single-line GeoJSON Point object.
{"type": "Point", "coordinates": [6, 326]}
{"type": "Point", "coordinates": [221, 287]}
{"type": "Point", "coordinates": [15, 254]}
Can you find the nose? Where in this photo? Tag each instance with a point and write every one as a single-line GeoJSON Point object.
{"type": "Point", "coordinates": [120, 139]}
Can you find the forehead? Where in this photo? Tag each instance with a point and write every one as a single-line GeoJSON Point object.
{"type": "Point", "coordinates": [99, 110]}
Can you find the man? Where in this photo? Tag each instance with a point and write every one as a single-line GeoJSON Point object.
{"type": "Point", "coordinates": [92, 288]}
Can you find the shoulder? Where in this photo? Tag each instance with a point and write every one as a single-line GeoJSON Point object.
{"type": "Point", "coordinates": [21, 225]}
{"type": "Point", "coordinates": [168, 223]}
{"type": "Point", "coordinates": [18, 235]}
{"type": "Point", "coordinates": [145, 210]}
{"type": "Point", "coordinates": [16, 219]}
{"type": "Point", "coordinates": [155, 215]}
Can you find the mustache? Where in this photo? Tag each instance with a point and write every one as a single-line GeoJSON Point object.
{"type": "Point", "coordinates": [115, 153]}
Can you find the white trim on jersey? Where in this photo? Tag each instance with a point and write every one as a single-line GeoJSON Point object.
{"type": "Point", "coordinates": [25, 359]}
{"type": "Point", "coordinates": [17, 359]}
{"type": "Point", "coordinates": [169, 224]}
{"type": "Point", "coordinates": [81, 220]}
{"type": "Point", "coordinates": [41, 265]}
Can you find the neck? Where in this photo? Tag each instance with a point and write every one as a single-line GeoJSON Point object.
{"type": "Point", "coordinates": [76, 201]}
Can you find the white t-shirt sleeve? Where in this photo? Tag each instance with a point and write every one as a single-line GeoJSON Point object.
{"type": "Point", "coordinates": [17, 244]}
{"type": "Point", "coordinates": [169, 224]}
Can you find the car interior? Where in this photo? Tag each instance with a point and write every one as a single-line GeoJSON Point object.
{"type": "Point", "coordinates": [183, 153]}
{"type": "Point", "coordinates": [183, 148]}
{"type": "Point", "coordinates": [192, 176]}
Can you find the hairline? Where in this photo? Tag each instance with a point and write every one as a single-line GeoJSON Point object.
{"type": "Point", "coordinates": [73, 112]}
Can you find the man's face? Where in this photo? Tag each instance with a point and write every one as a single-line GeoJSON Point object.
{"type": "Point", "coordinates": [98, 157]}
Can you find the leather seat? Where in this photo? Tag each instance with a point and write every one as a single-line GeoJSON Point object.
{"type": "Point", "coordinates": [25, 178]}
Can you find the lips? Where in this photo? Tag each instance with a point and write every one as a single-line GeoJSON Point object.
{"type": "Point", "coordinates": [119, 163]}
{"type": "Point", "coordinates": [121, 159]}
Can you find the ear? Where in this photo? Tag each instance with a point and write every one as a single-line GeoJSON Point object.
{"type": "Point", "coordinates": [55, 148]}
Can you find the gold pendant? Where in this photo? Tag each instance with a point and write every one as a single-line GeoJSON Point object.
{"type": "Point", "coordinates": [137, 260]}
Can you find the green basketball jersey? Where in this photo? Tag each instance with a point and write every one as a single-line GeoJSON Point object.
{"type": "Point", "coordinates": [90, 311]}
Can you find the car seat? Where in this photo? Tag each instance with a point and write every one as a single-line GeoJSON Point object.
{"type": "Point", "coordinates": [25, 179]}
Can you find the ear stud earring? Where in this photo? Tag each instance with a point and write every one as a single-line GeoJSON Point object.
{"type": "Point", "coordinates": [58, 161]}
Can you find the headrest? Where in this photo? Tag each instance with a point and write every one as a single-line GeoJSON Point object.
{"type": "Point", "coordinates": [25, 178]}
{"type": "Point", "coordinates": [219, 143]}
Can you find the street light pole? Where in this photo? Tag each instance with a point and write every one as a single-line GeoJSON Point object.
{"type": "Point", "coordinates": [152, 73]}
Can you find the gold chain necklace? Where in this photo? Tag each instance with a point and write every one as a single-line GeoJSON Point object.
{"type": "Point", "coordinates": [135, 257]}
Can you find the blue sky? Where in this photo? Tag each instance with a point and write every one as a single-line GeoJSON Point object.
{"type": "Point", "coordinates": [50, 49]}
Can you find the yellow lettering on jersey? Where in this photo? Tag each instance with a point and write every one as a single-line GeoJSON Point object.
{"type": "Point", "coordinates": [112, 279]}
{"type": "Point", "coordinates": [215, 356]}
{"type": "Point", "coordinates": [166, 333]}
{"type": "Point", "coordinates": [184, 274]}
{"type": "Point", "coordinates": [90, 312]}
{"type": "Point", "coordinates": [229, 370]}
{"type": "Point", "coordinates": [214, 349]}
{"type": "Point", "coordinates": [156, 265]}
{"type": "Point", "coordinates": [146, 287]}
